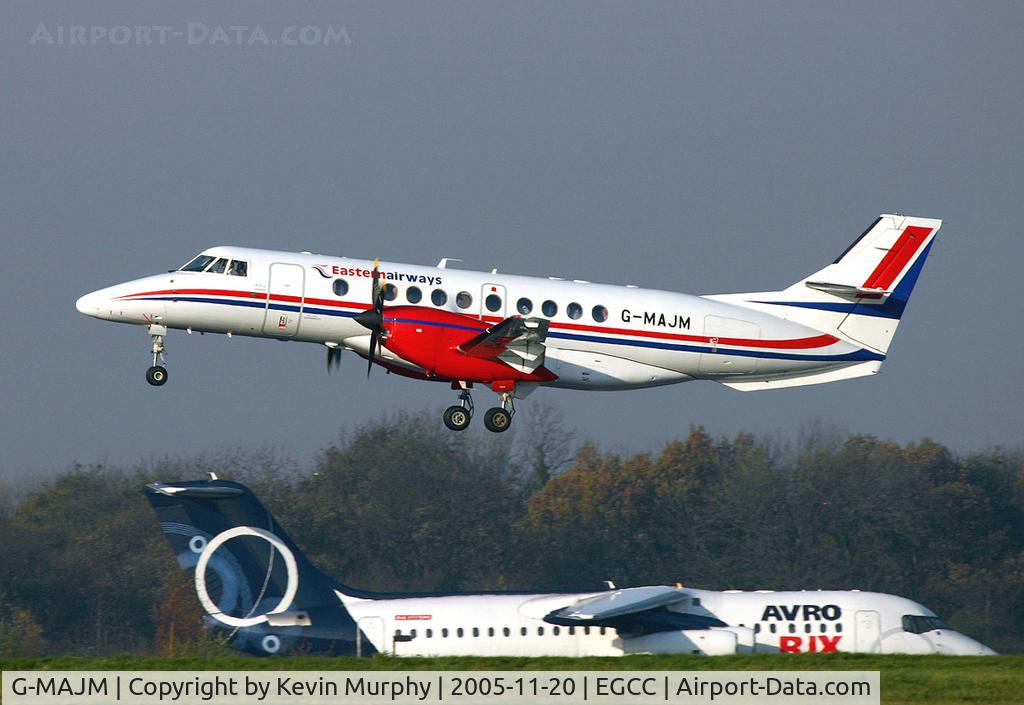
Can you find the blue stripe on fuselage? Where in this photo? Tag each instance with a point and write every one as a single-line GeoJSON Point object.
{"type": "Point", "coordinates": [861, 355]}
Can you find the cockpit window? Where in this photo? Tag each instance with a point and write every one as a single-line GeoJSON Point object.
{"type": "Point", "coordinates": [197, 264]}
{"type": "Point", "coordinates": [919, 624]}
{"type": "Point", "coordinates": [218, 266]}
{"type": "Point", "coordinates": [238, 268]}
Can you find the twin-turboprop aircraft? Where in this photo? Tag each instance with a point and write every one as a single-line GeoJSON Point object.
{"type": "Point", "coordinates": [516, 333]}
{"type": "Point", "coordinates": [256, 585]}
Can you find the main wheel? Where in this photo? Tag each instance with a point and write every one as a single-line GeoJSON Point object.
{"type": "Point", "coordinates": [497, 419]}
{"type": "Point", "coordinates": [156, 375]}
{"type": "Point", "coordinates": [456, 418]}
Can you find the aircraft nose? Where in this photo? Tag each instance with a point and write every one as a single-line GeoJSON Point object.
{"type": "Point", "coordinates": [91, 304]}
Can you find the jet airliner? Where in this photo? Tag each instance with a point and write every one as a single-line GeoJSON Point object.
{"type": "Point", "coordinates": [514, 334]}
{"type": "Point", "coordinates": [256, 585]}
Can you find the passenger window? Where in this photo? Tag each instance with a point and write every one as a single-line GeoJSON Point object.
{"type": "Point", "coordinates": [524, 306]}
{"type": "Point", "coordinates": [572, 631]}
{"type": "Point", "coordinates": [540, 631]}
{"type": "Point", "coordinates": [444, 633]}
{"type": "Point", "coordinates": [549, 308]}
{"type": "Point", "coordinates": [522, 631]}
{"type": "Point", "coordinates": [556, 631]}
{"type": "Point", "coordinates": [413, 294]}
{"type": "Point", "coordinates": [438, 297]}
{"type": "Point", "coordinates": [771, 627]}
{"type": "Point", "coordinates": [506, 631]}
{"type": "Point", "coordinates": [412, 633]}
{"type": "Point", "coordinates": [823, 628]}
{"type": "Point", "coordinates": [792, 628]}
{"type": "Point", "coordinates": [238, 268]}
{"type": "Point", "coordinates": [218, 266]}
{"type": "Point", "coordinates": [197, 264]}
{"type": "Point", "coordinates": [839, 628]}
{"type": "Point", "coordinates": [476, 632]}
{"type": "Point", "coordinates": [390, 292]}
{"type": "Point", "coordinates": [459, 632]}
{"type": "Point", "coordinates": [340, 287]}
{"type": "Point", "coordinates": [430, 633]}
{"type": "Point", "coordinates": [602, 631]}
{"type": "Point", "coordinates": [490, 631]}
{"type": "Point", "coordinates": [493, 303]}
{"type": "Point", "coordinates": [586, 630]}
{"type": "Point", "coordinates": [574, 310]}
{"type": "Point", "coordinates": [757, 628]}
{"type": "Point", "coordinates": [807, 628]}
{"type": "Point", "coordinates": [464, 299]}
{"type": "Point", "coordinates": [600, 314]}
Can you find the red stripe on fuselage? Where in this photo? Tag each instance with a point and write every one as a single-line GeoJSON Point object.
{"type": "Point", "coordinates": [817, 341]}
{"type": "Point", "coordinates": [907, 245]}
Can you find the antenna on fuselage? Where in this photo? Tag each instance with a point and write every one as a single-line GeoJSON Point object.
{"type": "Point", "coordinates": [443, 262]}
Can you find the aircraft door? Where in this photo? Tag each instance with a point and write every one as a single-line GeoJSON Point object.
{"type": "Point", "coordinates": [493, 301]}
{"type": "Point", "coordinates": [284, 300]}
{"type": "Point", "coordinates": [370, 635]}
{"type": "Point", "coordinates": [867, 632]}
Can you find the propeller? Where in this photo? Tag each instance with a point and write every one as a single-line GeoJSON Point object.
{"type": "Point", "coordinates": [333, 358]}
{"type": "Point", "coordinates": [373, 318]}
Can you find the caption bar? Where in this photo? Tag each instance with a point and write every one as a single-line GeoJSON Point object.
{"type": "Point", "coordinates": [436, 687]}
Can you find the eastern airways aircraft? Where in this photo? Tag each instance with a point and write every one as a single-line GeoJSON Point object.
{"type": "Point", "coordinates": [256, 585]}
{"type": "Point", "coordinates": [515, 333]}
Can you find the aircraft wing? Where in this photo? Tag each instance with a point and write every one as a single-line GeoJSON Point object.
{"type": "Point", "coordinates": [642, 608]}
{"type": "Point", "coordinates": [516, 341]}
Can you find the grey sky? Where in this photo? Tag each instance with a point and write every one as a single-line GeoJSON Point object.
{"type": "Point", "coordinates": [695, 147]}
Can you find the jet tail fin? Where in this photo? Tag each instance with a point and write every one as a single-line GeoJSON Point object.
{"type": "Point", "coordinates": [250, 577]}
{"type": "Point", "coordinates": [862, 295]}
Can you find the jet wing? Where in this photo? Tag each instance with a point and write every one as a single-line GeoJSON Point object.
{"type": "Point", "coordinates": [518, 342]}
{"type": "Point", "coordinates": [634, 609]}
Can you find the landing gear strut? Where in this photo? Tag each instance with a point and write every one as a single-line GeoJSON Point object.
{"type": "Point", "coordinates": [457, 418]}
{"type": "Point", "coordinates": [157, 374]}
{"type": "Point", "coordinates": [499, 418]}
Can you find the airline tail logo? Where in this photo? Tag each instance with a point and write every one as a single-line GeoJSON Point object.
{"type": "Point", "coordinates": [206, 551]}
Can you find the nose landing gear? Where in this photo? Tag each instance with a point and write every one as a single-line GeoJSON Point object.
{"type": "Point", "coordinates": [157, 373]}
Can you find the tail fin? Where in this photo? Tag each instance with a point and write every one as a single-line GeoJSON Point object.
{"type": "Point", "coordinates": [861, 296]}
{"type": "Point", "coordinates": [250, 577]}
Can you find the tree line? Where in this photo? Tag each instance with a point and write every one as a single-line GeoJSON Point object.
{"type": "Point", "coordinates": [403, 504]}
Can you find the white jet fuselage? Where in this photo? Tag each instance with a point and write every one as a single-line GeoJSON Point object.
{"type": "Point", "coordinates": [601, 337]}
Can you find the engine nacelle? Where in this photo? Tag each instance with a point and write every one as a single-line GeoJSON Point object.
{"type": "Point", "coordinates": [716, 641]}
{"type": "Point", "coordinates": [430, 338]}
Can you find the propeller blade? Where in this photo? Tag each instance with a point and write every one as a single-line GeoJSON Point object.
{"type": "Point", "coordinates": [333, 359]}
{"type": "Point", "coordinates": [374, 344]}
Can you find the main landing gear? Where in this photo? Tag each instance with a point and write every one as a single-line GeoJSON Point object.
{"type": "Point", "coordinates": [157, 374]}
{"type": "Point", "coordinates": [496, 419]}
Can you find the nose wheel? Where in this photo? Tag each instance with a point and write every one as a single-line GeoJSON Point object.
{"type": "Point", "coordinates": [156, 375]}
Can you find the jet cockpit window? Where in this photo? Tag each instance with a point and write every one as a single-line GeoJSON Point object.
{"type": "Point", "coordinates": [238, 268]}
{"type": "Point", "coordinates": [197, 263]}
{"type": "Point", "coordinates": [919, 624]}
{"type": "Point", "coordinates": [218, 266]}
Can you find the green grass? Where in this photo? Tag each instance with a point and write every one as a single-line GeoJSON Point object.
{"type": "Point", "coordinates": [939, 680]}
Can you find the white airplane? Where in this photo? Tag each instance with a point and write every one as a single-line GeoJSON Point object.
{"type": "Point", "coordinates": [256, 585]}
{"type": "Point", "coordinates": [515, 333]}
